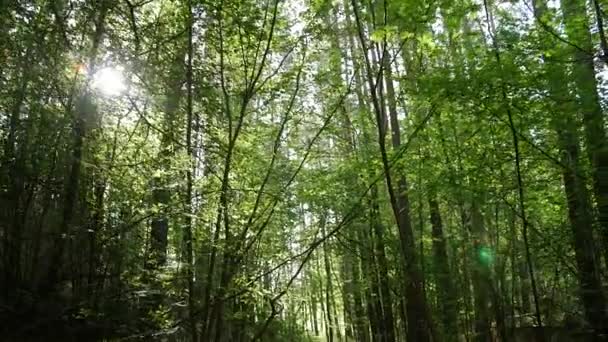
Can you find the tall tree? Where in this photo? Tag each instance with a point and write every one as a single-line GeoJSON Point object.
{"type": "Point", "coordinates": [579, 210]}
{"type": "Point", "coordinates": [581, 49]}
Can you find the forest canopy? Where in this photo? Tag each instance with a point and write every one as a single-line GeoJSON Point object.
{"type": "Point", "coordinates": [303, 170]}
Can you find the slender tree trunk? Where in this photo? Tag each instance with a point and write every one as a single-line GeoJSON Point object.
{"type": "Point", "coordinates": [388, 325]}
{"type": "Point", "coordinates": [161, 194]}
{"type": "Point", "coordinates": [375, 310]}
{"type": "Point", "coordinates": [518, 173]}
{"type": "Point", "coordinates": [419, 325]}
{"type": "Point", "coordinates": [98, 221]}
{"type": "Point", "coordinates": [188, 238]}
{"type": "Point", "coordinates": [353, 301]}
{"type": "Point", "coordinates": [313, 308]}
{"type": "Point", "coordinates": [360, 322]}
{"type": "Point", "coordinates": [524, 282]}
{"type": "Point", "coordinates": [348, 292]}
{"type": "Point", "coordinates": [481, 276]}
{"type": "Point", "coordinates": [376, 294]}
{"type": "Point", "coordinates": [447, 296]}
{"type": "Point", "coordinates": [328, 287]}
{"type": "Point", "coordinates": [419, 320]}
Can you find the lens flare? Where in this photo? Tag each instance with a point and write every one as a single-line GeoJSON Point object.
{"type": "Point", "coordinates": [109, 81]}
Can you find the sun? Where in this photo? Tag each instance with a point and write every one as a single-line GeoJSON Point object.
{"type": "Point", "coordinates": [109, 81]}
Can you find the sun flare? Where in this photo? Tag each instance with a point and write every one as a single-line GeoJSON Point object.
{"type": "Point", "coordinates": [109, 81]}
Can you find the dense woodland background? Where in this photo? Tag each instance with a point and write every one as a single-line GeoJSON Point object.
{"type": "Point", "coordinates": [303, 170]}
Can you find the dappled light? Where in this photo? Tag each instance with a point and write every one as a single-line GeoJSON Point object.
{"type": "Point", "coordinates": [304, 170]}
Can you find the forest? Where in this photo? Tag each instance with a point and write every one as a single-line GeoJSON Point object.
{"type": "Point", "coordinates": [303, 170]}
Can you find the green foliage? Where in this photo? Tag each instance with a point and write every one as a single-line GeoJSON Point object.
{"type": "Point", "coordinates": [235, 178]}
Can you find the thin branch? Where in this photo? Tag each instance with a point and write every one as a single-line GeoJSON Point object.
{"type": "Point", "coordinates": [275, 149]}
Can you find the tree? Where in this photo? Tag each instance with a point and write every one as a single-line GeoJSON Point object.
{"type": "Point", "coordinates": [387, 170]}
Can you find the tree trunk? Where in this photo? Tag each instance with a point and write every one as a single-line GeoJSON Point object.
{"type": "Point", "coordinates": [520, 184]}
{"type": "Point", "coordinates": [419, 320]}
{"type": "Point", "coordinates": [360, 322]}
{"type": "Point", "coordinates": [329, 287]}
{"type": "Point", "coordinates": [347, 273]}
{"type": "Point", "coordinates": [579, 214]}
{"type": "Point", "coordinates": [447, 297]}
{"type": "Point", "coordinates": [161, 195]}
{"type": "Point", "coordinates": [313, 309]}
{"type": "Point", "coordinates": [373, 293]}
{"type": "Point", "coordinates": [85, 110]}
{"type": "Point", "coordinates": [577, 197]}
{"type": "Point", "coordinates": [577, 30]}
{"type": "Point", "coordinates": [481, 276]}
{"type": "Point", "coordinates": [387, 323]}
{"type": "Point", "coordinates": [188, 239]}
